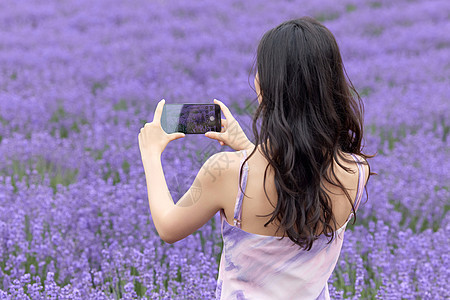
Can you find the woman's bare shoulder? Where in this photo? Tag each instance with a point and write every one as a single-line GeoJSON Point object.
{"type": "Point", "coordinates": [365, 167]}
{"type": "Point", "coordinates": [224, 166]}
{"type": "Point", "coordinates": [351, 164]}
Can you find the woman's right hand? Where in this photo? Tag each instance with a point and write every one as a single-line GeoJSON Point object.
{"type": "Point", "coordinates": [231, 134]}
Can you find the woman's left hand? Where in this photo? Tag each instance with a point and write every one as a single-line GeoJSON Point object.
{"type": "Point", "coordinates": [152, 138]}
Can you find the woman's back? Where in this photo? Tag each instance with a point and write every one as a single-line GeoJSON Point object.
{"type": "Point", "coordinates": [255, 263]}
{"type": "Point", "coordinates": [257, 204]}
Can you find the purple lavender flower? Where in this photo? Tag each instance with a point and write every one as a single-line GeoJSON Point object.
{"type": "Point", "coordinates": [78, 79]}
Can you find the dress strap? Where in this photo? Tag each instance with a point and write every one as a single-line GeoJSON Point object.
{"type": "Point", "coordinates": [360, 188]}
{"type": "Point", "coordinates": [240, 195]}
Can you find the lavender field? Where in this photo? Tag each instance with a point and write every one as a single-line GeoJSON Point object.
{"type": "Point", "coordinates": [78, 79]}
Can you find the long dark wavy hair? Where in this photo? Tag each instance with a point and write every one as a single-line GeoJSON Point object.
{"type": "Point", "coordinates": [308, 114]}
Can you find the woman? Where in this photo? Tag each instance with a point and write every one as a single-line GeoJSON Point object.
{"type": "Point", "coordinates": [303, 178]}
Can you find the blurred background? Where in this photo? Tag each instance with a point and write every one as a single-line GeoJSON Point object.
{"type": "Point", "coordinates": [78, 79]}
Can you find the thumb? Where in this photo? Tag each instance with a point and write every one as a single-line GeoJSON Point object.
{"type": "Point", "coordinates": [176, 135]}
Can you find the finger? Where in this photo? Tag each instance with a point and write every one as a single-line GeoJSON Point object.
{"type": "Point", "coordinates": [214, 135]}
{"type": "Point", "coordinates": [221, 143]}
{"type": "Point", "coordinates": [176, 136]}
{"type": "Point", "coordinates": [158, 111]}
{"type": "Point", "coordinates": [225, 110]}
{"type": "Point", "coordinates": [224, 126]}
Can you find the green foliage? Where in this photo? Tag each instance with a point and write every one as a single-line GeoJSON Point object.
{"type": "Point", "coordinates": [444, 126]}
{"type": "Point", "coordinates": [121, 105]}
{"type": "Point", "coordinates": [349, 270]}
{"type": "Point", "coordinates": [56, 173]}
{"type": "Point", "coordinates": [44, 168]}
{"type": "Point", "coordinates": [58, 115]}
{"type": "Point", "coordinates": [63, 132]}
{"type": "Point", "coordinates": [97, 86]}
{"type": "Point", "coordinates": [375, 30]}
{"type": "Point", "coordinates": [248, 107]}
{"type": "Point", "coordinates": [3, 121]}
{"type": "Point", "coordinates": [326, 16]}
{"type": "Point", "coordinates": [75, 127]}
{"type": "Point", "coordinates": [29, 236]}
{"type": "Point", "coordinates": [375, 4]}
{"type": "Point", "coordinates": [414, 218]}
{"type": "Point", "coordinates": [126, 167]}
{"type": "Point", "coordinates": [97, 154]}
{"type": "Point", "coordinates": [350, 8]}
{"type": "Point", "coordinates": [366, 91]}
{"type": "Point", "coordinates": [110, 173]}
{"type": "Point", "coordinates": [139, 288]}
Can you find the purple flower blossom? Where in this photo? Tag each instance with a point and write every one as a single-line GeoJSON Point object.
{"type": "Point", "coordinates": [78, 79]}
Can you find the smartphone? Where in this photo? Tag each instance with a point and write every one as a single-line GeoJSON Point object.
{"type": "Point", "coordinates": [191, 118]}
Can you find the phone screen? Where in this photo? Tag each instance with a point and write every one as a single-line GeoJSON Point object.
{"type": "Point", "coordinates": [191, 118]}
